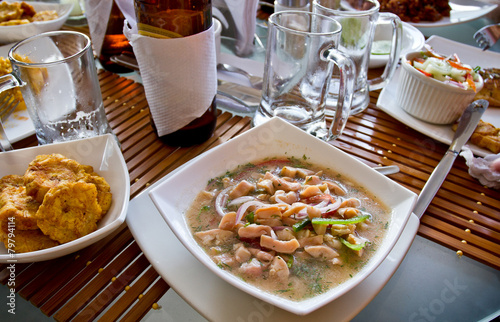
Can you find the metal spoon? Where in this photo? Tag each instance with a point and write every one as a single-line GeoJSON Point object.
{"type": "Point", "coordinates": [387, 170]}
{"type": "Point", "coordinates": [255, 81]}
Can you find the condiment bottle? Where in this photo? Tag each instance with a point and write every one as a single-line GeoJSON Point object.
{"type": "Point", "coordinates": [115, 43]}
{"type": "Point", "coordinates": [171, 19]}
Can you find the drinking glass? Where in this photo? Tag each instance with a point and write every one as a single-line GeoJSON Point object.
{"type": "Point", "coordinates": [359, 19]}
{"type": "Point", "coordinates": [58, 79]}
{"type": "Point", "coordinates": [300, 59]}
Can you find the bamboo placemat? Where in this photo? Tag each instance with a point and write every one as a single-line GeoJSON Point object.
{"type": "Point", "coordinates": [113, 276]}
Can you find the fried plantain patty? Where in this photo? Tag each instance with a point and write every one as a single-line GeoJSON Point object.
{"type": "Point", "coordinates": [69, 211]}
{"type": "Point", "coordinates": [16, 205]}
{"type": "Point", "coordinates": [47, 171]}
{"type": "Point", "coordinates": [27, 240]}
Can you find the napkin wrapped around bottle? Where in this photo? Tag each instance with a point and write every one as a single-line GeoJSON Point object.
{"type": "Point", "coordinates": [179, 75]}
{"type": "Point", "coordinates": [486, 170]}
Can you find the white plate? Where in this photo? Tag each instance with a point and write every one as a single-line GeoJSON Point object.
{"type": "Point", "coordinates": [279, 138]}
{"type": "Point", "coordinates": [18, 126]}
{"type": "Point", "coordinates": [461, 11]}
{"type": "Point", "coordinates": [9, 34]}
{"type": "Point", "coordinates": [104, 155]}
{"type": "Point", "coordinates": [413, 40]}
{"type": "Point", "coordinates": [196, 284]}
{"type": "Point", "coordinates": [443, 133]}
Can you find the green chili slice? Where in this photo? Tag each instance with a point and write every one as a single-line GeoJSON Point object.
{"type": "Point", "coordinates": [301, 225]}
{"type": "Point", "coordinates": [352, 246]}
{"type": "Point", "coordinates": [335, 221]}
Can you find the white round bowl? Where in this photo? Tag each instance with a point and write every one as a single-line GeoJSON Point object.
{"type": "Point", "coordinates": [105, 156]}
{"type": "Point", "coordinates": [412, 40]}
{"type": "Point", "coordinates": [429, 99]}
{"type": "Point", "coordinates": [11, 34]}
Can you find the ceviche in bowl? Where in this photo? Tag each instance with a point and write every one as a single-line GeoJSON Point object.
{"type": "Point", "coordinates": [437, 88]}
{"type": "Point", "coordinates": [284, 216]}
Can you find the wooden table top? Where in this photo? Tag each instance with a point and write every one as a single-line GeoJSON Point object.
{"type": "Point", "coordinates": [114, 276]}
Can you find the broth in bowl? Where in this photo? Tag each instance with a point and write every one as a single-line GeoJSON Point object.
{"type": "Point", "coordinates": [287, 226]}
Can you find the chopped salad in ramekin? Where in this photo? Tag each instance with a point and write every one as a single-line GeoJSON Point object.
{"type": "Point", "coordinates": [436, 88]}
{"type": "Point", "coordinates": [447, 69]}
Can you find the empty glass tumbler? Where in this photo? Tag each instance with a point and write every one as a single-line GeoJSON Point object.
{"type": "Point", "coordinates": [58, 79]}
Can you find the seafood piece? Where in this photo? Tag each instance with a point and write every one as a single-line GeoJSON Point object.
{"type": "Point", "coordinates": [280, 246]}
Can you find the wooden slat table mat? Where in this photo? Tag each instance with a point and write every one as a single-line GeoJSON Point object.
{"type": "Point", "coordinates": [113, 275]}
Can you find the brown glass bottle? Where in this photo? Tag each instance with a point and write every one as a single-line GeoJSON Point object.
{"type": "Point", "coordinates": [179, 18]}
{"type": "Point", "coordinates": [115, 43]}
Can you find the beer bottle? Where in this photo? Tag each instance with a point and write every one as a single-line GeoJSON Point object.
{"type": "Point", "coordinates": [172, 19]}
{"type": "Point", "coordinates": [115, 43]}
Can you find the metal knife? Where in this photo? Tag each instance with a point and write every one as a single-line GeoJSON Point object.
{"type": "Point", "coordinates": [466, 126]}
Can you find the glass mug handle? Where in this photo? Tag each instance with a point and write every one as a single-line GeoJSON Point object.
{"type": "Point", "coordinates": [396, 42]}
{"type": "Point", "coordinates": [346, 90]}
{"type": "Point", "coordinates": [7, 82]}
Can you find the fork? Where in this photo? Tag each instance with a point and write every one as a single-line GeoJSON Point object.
{"type": "Point", "coordinates": [8, 103]}
{"type": "Point", "coordinates": [487, 36]}
{"type": "Point", "coordinates": [255, 81]}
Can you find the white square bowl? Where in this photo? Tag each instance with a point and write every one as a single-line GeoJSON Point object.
{"type": "Point", "coordinates": [278, 138]}
{"type": "Point", "coordinates": [10, 34]}
{"type": "Point", "coordinates": [104, 155]}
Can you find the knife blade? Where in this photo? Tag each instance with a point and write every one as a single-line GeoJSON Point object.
{"type": "Point", "coordinates": [466, 126]}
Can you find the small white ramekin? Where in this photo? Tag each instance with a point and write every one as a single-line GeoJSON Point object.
{"type": "Point", "coordinates": [429, 99]}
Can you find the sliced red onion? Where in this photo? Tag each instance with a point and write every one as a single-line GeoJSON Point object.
{"type": "Point", "coordinates": [243, 208]}
{"type": "Point", "coordinates": [322, 204]}
{"type": "Point", "coordinates": [240, 200]}
{"type": "Point", "coordinates": [331, 207]}
{"type": "Point", "coordinates": [303, 212]}
{"type": "Point", "coordinates": [300, 215]}
{"type": "Point", "coordinates": [220, 201]}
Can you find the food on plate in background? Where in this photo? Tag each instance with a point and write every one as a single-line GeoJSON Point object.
{"type": "Point", "coordinates": [288, 227]}
{"type": "Point", "coordinates": [20, 13]}
{"type": "Point", "coordinates": [38, 77]}
{"type": "Point", "coordinates": [491, 88]}
{"type": "Point", "coordinates": [416, 10]}
{"type": "Point", "coordinates": [56, 201]}
{"type": "Point", "coordinates": [486, 135]}
{"type": "Point", "coordinates": [6, 68]}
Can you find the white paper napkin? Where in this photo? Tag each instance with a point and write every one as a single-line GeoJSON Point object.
{"type": "Point", "coordinates": [243, 13]}
{"type": "Point", "coordinates": [179, 75]}
{"type": "Point", "coordinates": [97, 14]}
{"type": "Point", "coordinates": [245, 17]}
{"type": "Point", "coordinates": [483, 169]}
